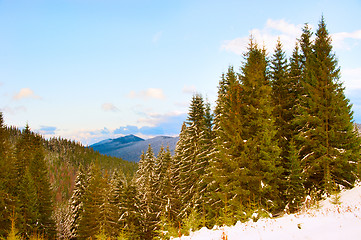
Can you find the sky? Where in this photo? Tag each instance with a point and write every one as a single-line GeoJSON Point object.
{"type": "Point", "coordinates": [89, 70]}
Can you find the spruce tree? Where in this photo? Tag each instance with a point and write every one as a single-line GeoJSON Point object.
{"type": "Point", "coordinates": [77, 202]}
{"type": "Point", "coordinates": [108, 210]}
{"type": "Point", "coordinates": [28, 211]}
{"type": "Point", "coordinates": [31, 169]}
{"type": "Point", "coordinates": [130, 217]}
{"type": "Point", "coordinates": [247, 165]}
{"type": "Point", "coordinates": [295, 190]}
{"type": "Point", "coordinates": [229, 145]}
{"type": "Point", "coordinates": [285, 93]}
{"type": "Point", "coordinates": [116, 189]}
{"type": "Point", "coordinates": [145, 180]}
{"type": "Point", "coordinates": [283, 98]}
{"type": "Point", "coordinates": [89, 225]}
{"type": "Point", "coordinates": [329, 145]}
{"type": "Point", "coordinates": [39, 172]}
{"type": "Point", "coordinates": [7, 184]}
{"type": "Point", "coordinates": [191, 156]}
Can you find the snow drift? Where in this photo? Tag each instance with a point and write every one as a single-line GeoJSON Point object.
{"type": "Point", "coordinates": [325, 220]}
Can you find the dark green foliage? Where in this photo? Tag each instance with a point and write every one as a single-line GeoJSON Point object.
{"type": "Point", "coordinates": [295, 190]}
{"type": "Point", "coordinates": [246, 164]}
{"type": "Point", "coordinates": [77, 202]}
{"type": "Point", "coordinates": [33, 188]}
{"type": "Point", "coordinates": [329, 147]}
{"type": "Point", "coordinates": [130, 217]}
{"type": "Point", "coordinates": [7, 180]}
{"type": "Point", "coordinates": [146, 186]}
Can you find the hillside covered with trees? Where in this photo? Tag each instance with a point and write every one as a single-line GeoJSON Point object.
{"type": "Point", "coordinates": [282, 131]}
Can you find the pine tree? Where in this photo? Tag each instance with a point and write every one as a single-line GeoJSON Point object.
{"type": "Point", "coordinates": [23, 152]}
{"type": "Point", "coordinates": [31, 170]}
{"type": "Point", "coordinates": [146, 187]}
{"type": "Point", "coordinates": [108, 210]}
{"type": "Point", "coordinates": [28, 214]}
{"type": "Point", "coordinates": [7, 184]}
{"type": "Point", "coordinates": [283, 98]}
{"type": "Point", "coordinates": [329, 146]}
{"type": "Point", "coordinates": [89, 225]}
{"type": "Point", "coordinates": [295, 190]}
{"type": "Point", "coordinates": [130, 217]}
{"type": "Point", "coordinates": [116, 189]}
{"type": "Point", "coordinates": [285, 93]}
{"type": "Point", "coordinates": [229, 146]}
{"type": "Point", "coordinates": [247, 163]}
{"type": "Point", "coordinates": [191, 156]}
{"type": "Point", "coordinates": [77, 202]}
{"type": "Point", "coordinates": [39, 172]}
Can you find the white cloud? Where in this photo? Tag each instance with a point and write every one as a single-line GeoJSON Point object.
{"type": "Point", "coordinates": [109, 107]}
{"type": "Point", "coordinates": [351, 78]}
{"type": "Point", "coordinates": [288, 33]}
{"type": "Point", "coordinates": [150, 93]}
{"type": "Point", "coordinates": [273, 29]}
{"type": "Point", "coordinates": [189, 89]}
{"type": "Point", "coordinates": [26, 93]}
{"type": "Point", "coordinates": [13, 110]}
{"type": "Point", "coordinates": [341, 40]}
{"type": "Point", "coordinates": [152, 119]}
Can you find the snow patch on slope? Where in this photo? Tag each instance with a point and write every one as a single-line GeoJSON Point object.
{"type": "Point", "coordinates": [328, 221]}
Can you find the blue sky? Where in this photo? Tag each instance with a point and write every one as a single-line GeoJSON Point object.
{"type": "Point", "coordinates": [88, 70]}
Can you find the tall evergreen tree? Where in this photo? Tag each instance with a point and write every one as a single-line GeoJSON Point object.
{"type": "Point", "coordinates": [191, 156]}
{"type": "Point", "coordinates": [247, 166]}
{"type": "Point", "coordinates": [283, 98]}
{"type": "Point", "coordinates": [108, 210]}
{"type": "Point", "coordinates": [31, 169]}
{"type": "Point", "coordinates": [130, 217]}
{"type": "Point", "coordinates": [39, 172]}
{"type": "Point", "coordinates": [285, 92]}
{"type": "Point", "coordinates": [116, 190]}
{"type": "Point", "coordinates": [28, 212]}
{"type": "Point", "coordinates": [229, 145]}
{"type": "Point", "coordinates": [77, 202]}
{"type": "Point", "coordinates": [146, 187]}
{"type": "Point", "coordinates": [89, 225]}
{"type": "Point", "coordinates": [7, 177]}
{"type": "Point", "coordinates": [329, 145]}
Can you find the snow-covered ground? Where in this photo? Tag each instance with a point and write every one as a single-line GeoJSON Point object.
{"type": "Point", "coordinates": [327, 221]}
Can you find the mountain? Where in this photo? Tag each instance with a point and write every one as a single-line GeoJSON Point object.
{"type": "Point", "coordinates": [130, 147]}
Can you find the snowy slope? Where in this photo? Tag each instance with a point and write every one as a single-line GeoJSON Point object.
{"type": "Point", "coordinates": [328, 221]}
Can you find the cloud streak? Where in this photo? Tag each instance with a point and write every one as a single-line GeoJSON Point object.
{"type": "Point", "coordinates": [150, 93]}
{"type": "Point", "coordinates": [109, 107]}
{"type": "Point", "coordinates": [26, 93]}
{"type": "Point", "coordinates": [47, 130]}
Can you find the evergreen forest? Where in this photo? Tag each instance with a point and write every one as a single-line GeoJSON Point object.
{"type": "Point", "coordinates": [281, 132]}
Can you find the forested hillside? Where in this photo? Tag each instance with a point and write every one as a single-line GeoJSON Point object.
{"type": "Point", "coordinates": [29, 163]}
{"type": "Point", "coordinates": [281, 132]}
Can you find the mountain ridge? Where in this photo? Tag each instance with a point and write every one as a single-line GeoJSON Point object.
{"type": "Point", "coordinates": [130, 147]}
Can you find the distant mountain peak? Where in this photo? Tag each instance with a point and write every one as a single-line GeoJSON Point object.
{"type": "Point", "coordinates": [130, 147]}
{"type": "Point", "coordinates": [128, 138]}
